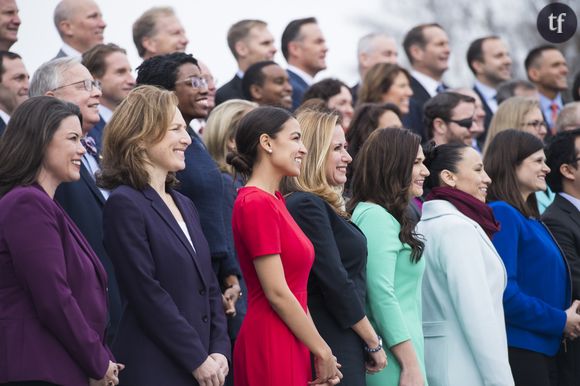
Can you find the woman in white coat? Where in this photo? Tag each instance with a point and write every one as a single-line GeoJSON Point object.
{"type": "Point", "coordinates": [463, 319]}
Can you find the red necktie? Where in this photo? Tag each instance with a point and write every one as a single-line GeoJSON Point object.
{"type": "Point", "coordinates": [554, 107]}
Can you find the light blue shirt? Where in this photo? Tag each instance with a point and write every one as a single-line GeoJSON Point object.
{"type": "Point", "coordinates": [489, 94]}
{"type": "Point", "coordinates": [545, 105]}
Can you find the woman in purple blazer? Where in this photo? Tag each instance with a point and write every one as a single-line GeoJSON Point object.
{"type": "Point", "coordinates": [53, 289]}
{"type": "Point", "coordinates": [173, 329]}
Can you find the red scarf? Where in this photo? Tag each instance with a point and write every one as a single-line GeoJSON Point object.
{"type": "Point", "coordinates": [470, 206]}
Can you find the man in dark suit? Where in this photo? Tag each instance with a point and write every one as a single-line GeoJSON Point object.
{"type": "Point", "coordinates": [69, 80]}
{"type": "Point", "coordinates": [267, 84]}
{"type": "Point", "coordinates": [373, 48]}
{"type": "Point", "coordinates": [80, 25]}
{"type": "Point", "coordinates": [427, 48]}
{"type": "Point", "coordinates": [563, 220]}
{"type": "Point", "coordinates": [547, 69]}
{"type": "Point", "coordinates": [108, 63]}
{"type": "Point", "coordinates": [250, 42]}
{"type": "Point", "coordinates": [489, 60]}
{"type": "Point", "coordinates": [304, 48]}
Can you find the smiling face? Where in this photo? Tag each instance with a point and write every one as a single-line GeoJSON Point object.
{"type": "Point", "coordinates": [87, 101]}
{"type": "Point", "coordinates": [259, 45]}
{"type": "Point", "coordinates": [286, 151]}
{"type": "Point", "coordinates": [192, 101]}
{"type": "Point", "coordinates": [16, 78]}
{"type": "Point", "coordinates": [117, 80]}
{"type": "Point", "coordinates": [420, 172]}
{"type": "Point", "coordinates": [433, 58]}
{"type": "Point", "coordinates": [311, 49]}
{"type": "Point", "coordinates": [62, 158]}
{"type": "Point", "coordinates": [9, 23]}
{"type": "Point", "coordinates": [534, 123]}
{"type": "Point", "coordinates": [337, 159]}
{"type": "Point", "coordinates": [550, 73]}
{"type": "Point", "coordinates": [169, 36]}
{"type": "Point", "coordinates": [531, 174]}
{"type": "Point", "coordinates": [342, 102]}
{"type": "Point", "coordinates": [496, 66]}
{"type": "Point", "coordinates": [85, 27]}
{"type": "Point", "coordinates": [168, 155]}
{"type": "Point", "coordinates": [471, 177]}
{"type": "Point", "coordinates": [276, 89]}
{"type": "Point", "coordinates": [399, 93]}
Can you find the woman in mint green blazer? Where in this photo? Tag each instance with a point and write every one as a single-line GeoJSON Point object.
{"type": "Point", "coordinates": [388, 174]}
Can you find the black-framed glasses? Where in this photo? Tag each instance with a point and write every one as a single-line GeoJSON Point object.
{"type": "Point", "coordinates": [537, 124]}
{"type": "Point", "coordinates": [195, 82]}
{"type": "Point", "coordinates": [88, 84]}
{"type": "Point", "coordinates": [467, 122]}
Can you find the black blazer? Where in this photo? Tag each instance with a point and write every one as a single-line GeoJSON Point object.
{"type": "Point", "coordinates": [488, 117]}
{"type": "Point", "coordinates": [337, 282]}
{"type": "Point", "coordinates": [173, 315]}
{"type": "Point", "coordinates": [563, 220]}
{"type": "Point", "coordinates": [299, 87]}
{"type": "Point", "coordinates": [83, 202]}
{"type": "Point", "coordinates": [414, 119]}
{"type": "Point", "coordinates": [230, 90]}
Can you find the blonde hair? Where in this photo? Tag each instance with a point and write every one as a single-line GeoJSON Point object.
{"type": "Point", "coordinates": [317, 131]}
{"type": "Point", "coordinates": [509, 115]}
{"type": "Point", "coordinates": [221, 128]}
{"type": "Point", "coordinates": [141, 119]}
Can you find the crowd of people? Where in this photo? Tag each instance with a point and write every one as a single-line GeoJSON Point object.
{"type": "Point", "coordinates": [280, 230]}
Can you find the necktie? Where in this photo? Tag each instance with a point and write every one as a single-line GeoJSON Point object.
{"type": "Point", "coordinates": [90, 146]}
{"type": "Point", "coordinates": [554, 108]}
{"type": "Point", "coordinates": [440, 88]}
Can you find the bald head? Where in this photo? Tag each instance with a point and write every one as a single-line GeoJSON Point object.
{"type": "Point", "coordinates": [79, 23]}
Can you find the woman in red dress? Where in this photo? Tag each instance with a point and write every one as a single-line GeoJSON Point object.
{"type": "Point", "coordinates": [277, 336]}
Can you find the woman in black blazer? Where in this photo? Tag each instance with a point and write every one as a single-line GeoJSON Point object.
{"type": "Point", "coordinates": [336, 286]}
{"type": "Point", "coordinates": [172, 329]}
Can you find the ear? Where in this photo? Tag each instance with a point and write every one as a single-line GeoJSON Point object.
{"type": "Point", "coordinates": [363, 59]}
{"type": "Point", "coordinates": [265, 144]}
{"type": "Point", "coordinates": [231, 144]}
{"type": "Point", "coordinates": [416, 53]}
{"type": "Point", "coordinates": [256, 92]}
{"type": "Point", "coordinates": [241, 49]}
{"type": "Point", "coordinates": [533, 74]}
{"type": "Point", "coordinates": [477, 66]}
{"type": "Point", "coordinates": [567, 172]}
{"type": "Point", "coordinates": [49, 93]}
{"type": "Point", "coordinates": [294, 49]}
{"type": "Point", "coordinates": [150, 44]}
{"type": "Point", "coordinates": [66, 28]}
{"type": "Point", "coordinates": [448, 178]}
{"type": "Point", "coordinates": [439, 126]}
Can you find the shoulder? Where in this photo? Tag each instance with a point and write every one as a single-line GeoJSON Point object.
{"type": "Point", "coordinates": [304, 198]}
{"type": "Point", "coordinates": [504, 210]}
{"type": "Point", "coordinates": [372, 212]}
{"type": "Point", "coordinates": [28, 196]}
{"type": "Point", "coordinates": [250, 198]}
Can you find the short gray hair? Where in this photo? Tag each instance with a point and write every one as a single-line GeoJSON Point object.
{"type": "Point", "coordinates": [49, 75]}
{"type": "Point", "coordinates": [146, 26]}
{"type": "Point", "coordinates": [569, 116]}
{"type": "Point", "coordinates": [364, 43]}
{"type": "Point", "coordinates": [61, 12]}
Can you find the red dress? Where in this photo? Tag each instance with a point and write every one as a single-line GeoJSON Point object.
{"type": "Point", "coordinates": [266, 352]}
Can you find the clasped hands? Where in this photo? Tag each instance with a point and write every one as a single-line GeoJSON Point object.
{"type": "Point", "coordinates": [213, 371]}
{"type": "Point", "coordinates": [111, 377]}
{"type": "Point", "coordinates": [327, 370]}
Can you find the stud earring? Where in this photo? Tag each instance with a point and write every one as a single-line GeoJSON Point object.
{"type": "Point", "coordinates": [270, 151]}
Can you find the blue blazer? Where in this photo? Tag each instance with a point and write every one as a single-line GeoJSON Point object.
{"type": "Point", "coordinates": [97, 133]}
{"type": "Point", "coordinates": [299, 87]}
{"type": "Point", "coordinates": [539, 289]}
{"type": "Point", "coordinates": [173, 315]}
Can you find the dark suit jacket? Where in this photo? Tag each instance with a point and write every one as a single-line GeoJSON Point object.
{"type": "Point", "coordinates": [60, 54]}
{"type": "Point", "coordinates": [83, 202]}
{"type": "Point", "coordinates": [97, 133]}
{"type": "Point", "coordinates": [299, 87]}
{"type": "Point", "coordinates": [488, 117]}
{"type": "Point", "coordinates": [53, 300]}
{"type": "Point", "coordinates": [354, 93]}
{"type": "Point", "coordinates": [230, 90]}
{"type": "Point", "coordinates": [173, 315]}
{"type": "Point", "coordinates": [414, 119]}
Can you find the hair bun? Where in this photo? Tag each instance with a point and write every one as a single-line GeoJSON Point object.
{"type": "Point", "coordinates": [239, 162]}
{"type": "Point", "coordinates": [430, 149]}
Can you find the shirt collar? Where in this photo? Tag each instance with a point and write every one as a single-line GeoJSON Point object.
{"type": "Point", "coordinates": [426, 81]}
{"type": "Point", "coordinates": [546, 102]}
{"type": "Point", "coordinates": [105, 112]}
{"type": "Point", "coordinates": [240, 74]}
{"type": "Point", "coordinates": [69, 51]}
{"type": "Point", "coordinates": [487, 92]}
{"type": "Point", "coordinates": [307, 78]}
{"type": "Point", "coordinates": [575, 201]}
{"type": "Point", "coordinates": [4, 115]}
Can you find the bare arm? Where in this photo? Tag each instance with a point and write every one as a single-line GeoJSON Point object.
{"type": "Point", "coordinates": [377, 360]}
{"type": "Point", "coordinates": [411, 374]}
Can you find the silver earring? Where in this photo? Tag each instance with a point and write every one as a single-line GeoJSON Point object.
{"type": "Point", "coordinates": [270, 151]}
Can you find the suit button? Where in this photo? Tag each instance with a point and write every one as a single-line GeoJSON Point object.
{"type": "Point", "coordinates": [202, 292]}
{"type": "Point", "coordinates": [205, 319]}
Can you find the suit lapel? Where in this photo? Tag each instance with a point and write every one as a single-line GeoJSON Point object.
{"type": "Point", "coordinates": [90, 181]}
{"type": "Point", "coordinates": [569, 208]}
{"type": "Point", "coordinates": [163, 211]}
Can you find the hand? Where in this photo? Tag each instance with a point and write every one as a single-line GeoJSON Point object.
{"type": "Point", "coordinates": [233, 293]}
{"type": "Point", "coordinates": [411, 377]}
{"type": "Point", "coordinates": [222, 362]}
{"type": "Point", "coordinates": [572, 328]}
{"type": "Point", "coordinates": [376, 361]}
{"type": "Point", "coordinates": [229, 306]}
{"type": "Point", "coordinates": [327, 369]}
{"type": "Point", "coordinates": [209, 373]}
{"type": "Point", "coordinates": [111, 377]}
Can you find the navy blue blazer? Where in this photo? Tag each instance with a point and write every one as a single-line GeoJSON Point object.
{"type": "Point", "coordinates": [97, 133]}
{"type": "Point", "coordinates": [83, 202]}
{"type": "Point", "coordinates": [230, 90]}
{"type": "Point", "coordinates": [173, 316]}
{"type": "Point", "coordinates": [488, 117]}
{"type": "Point", "coordinates": [299, 87]}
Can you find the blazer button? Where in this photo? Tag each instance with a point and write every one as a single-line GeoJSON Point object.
{"type": "Point", "coordinates": [205, 319]}
{"type": "Point", "coordinates": [202, 292]}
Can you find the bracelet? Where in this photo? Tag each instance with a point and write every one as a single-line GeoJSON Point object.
{"type": "Point", "coordinates": [239, 292]}
{"type": "Point", "coordinates": [375, 349]}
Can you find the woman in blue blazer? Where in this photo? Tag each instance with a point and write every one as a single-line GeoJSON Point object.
{"type": "Point", "coordinates": [173, 329]}
{"type": "Point", "coordinates": [538, 293]}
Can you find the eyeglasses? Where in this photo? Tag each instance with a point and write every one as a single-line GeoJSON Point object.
{"type": "Point", "coordinates": [88, 84]}
{"type": "Point", "coordinates": [537, 124]}
{"type": "Point", "coordinates": [467, 122]}
{"type": "Point", "coordinates": [195, 82]}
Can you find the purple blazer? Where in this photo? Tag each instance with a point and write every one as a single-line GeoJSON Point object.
{"type": "Point", "coordinates": [53, 294]}
{"type": "Point", "coordinates": [173, 315]}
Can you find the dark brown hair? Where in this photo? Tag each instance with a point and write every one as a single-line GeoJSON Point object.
{"type": "Point", "coordinates": [505, 153]}
{"type": "Point", "coordinates": [378, 80]}
{"type": "Point", "coordinates": [383, 175]}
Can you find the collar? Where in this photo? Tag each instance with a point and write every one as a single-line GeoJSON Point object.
{"type": "Point", "coordinates": [427, 82]}
{"type": "Point", "coordinates": [4, 115]}
{"type": "Point", "coordinates": [487, 92]}
{"type": "Point", "coordinates": [545, 102]}
{"type": "Point", "coordinates": [69, 51]}
{"type": "Point", "coordinates": [305, 77]}
{"type": "Point", "coordinates": [105, 112]}
{"type": "Point", "coordinates": [240, 74]}
{"type": "Point", "coordinates": [573, 200]}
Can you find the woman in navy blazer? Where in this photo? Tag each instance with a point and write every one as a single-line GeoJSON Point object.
{"type": "Point", "coordinates": [173, 329]}
{"type": "Point", "coordinates": [53, 289]}
{"type": "Point", "coordinates": [538, 293]}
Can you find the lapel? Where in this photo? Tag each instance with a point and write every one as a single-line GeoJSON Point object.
{"type": "Point", "coordinates": [488, 112]}
{"type": "Point", "coordinates": [419, 93]}
{"type": "Point", "coordinates": [90, 181]}
{"type": "Point", "coordinates": [165, 214]}
{"type": "Point", "coordinates": [569, 208]}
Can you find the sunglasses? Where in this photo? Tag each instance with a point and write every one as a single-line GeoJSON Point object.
{"type": "Point", "coordinates": [467, 122]}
